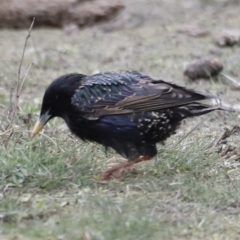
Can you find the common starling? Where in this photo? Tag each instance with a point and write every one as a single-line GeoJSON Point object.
{"type": "Point", "coordinates": [124, 110]}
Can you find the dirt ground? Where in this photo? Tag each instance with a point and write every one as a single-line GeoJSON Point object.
{"type": "Point", "coordinates": [50, 187]}
{"type": "Point", "coordinates": [57, 13]}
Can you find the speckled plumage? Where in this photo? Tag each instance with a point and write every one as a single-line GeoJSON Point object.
{"type": "Point", "coordinates": [125, 110]}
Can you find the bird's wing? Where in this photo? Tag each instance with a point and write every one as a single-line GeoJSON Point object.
{"type": "Point", "coordinates": [128, 92]}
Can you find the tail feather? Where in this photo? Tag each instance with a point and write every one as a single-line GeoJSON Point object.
{"type": "Point", "coordinates": [197, 109]}
{"type": "Point", "coordinates": [211, 103]}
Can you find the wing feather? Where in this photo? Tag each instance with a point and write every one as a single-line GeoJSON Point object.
{"type": "Point", "coordinates": [128, 92]}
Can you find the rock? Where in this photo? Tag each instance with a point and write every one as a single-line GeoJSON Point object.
{"type": "Point", "coordinates": [57, 13]}
{"type": "Point", "coordinates": [204, 68]}
{"type": "Point", "coordinates": [228, 38]}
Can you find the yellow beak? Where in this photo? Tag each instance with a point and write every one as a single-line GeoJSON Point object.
{"type": "Point", "coordinates": [40, 124]}
{"type": "Point", "coordinates": [37, 128]}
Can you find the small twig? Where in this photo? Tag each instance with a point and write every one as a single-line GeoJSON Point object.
{"type": "Point", "coordinates": [23, 53]}
{"type": "Point", "coordinates": [14, 99]}
{"type": "Point", "coordinates": [5, 132]}
{"type": "Point", "coordinates": [25, 76]}
{"type": "Point", "coordinates": [225, 106]}
{"type": "Point", "coordinates": [236, 83]}
{"type": "Point", "coordinates": [10, 104]}
{"type": "Point", "coordinates": [226, 134]}
{"type": "Point", "coordinates": [8, 138]}
{"type": "Point", "coordinates": [19, 85]}
{"type": "Point", "coordinates": [232, 108]}
{"type": "Point", "coordinates": [6, 188]}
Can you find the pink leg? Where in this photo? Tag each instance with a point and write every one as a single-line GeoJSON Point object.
{"type": "Point", "coordinates": [116, 171]}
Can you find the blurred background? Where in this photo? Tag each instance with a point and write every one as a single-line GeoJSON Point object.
{"type": "Point", "coordinates": [49, 186]}
{"type": "Point", "coordinates": [159, 38]}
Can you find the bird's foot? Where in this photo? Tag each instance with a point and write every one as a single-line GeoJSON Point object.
{"type": "Point", "coordinates": [116, 167]}
{"type": "Point", "coordinates": [117, 170]}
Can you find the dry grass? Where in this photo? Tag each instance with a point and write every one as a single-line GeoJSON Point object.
{"type": "Point", "coordinates": [50, 186]}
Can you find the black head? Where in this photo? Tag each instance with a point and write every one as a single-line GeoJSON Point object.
{"type": "Point", "coordinates": [57, 99]}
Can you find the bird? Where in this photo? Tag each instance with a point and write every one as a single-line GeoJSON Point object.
{"type": "Point", "coordinates": [125, 110]}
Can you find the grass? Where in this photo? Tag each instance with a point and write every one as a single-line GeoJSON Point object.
{"type": "Point", "coordinates": [50, 186]}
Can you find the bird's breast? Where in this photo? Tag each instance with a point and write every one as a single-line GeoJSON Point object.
{"type": "Point", "coordinates": [106, 127]}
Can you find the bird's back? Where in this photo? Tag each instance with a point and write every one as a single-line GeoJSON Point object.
{"type": "Point", "coordinates": [124, 92]}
